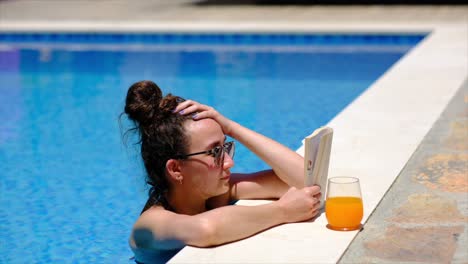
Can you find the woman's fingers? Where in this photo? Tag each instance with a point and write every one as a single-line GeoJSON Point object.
{"type": "Point", "coordinates": [312, 190]}
{"type": "Point", "coordinates": [181, 106]}
{"type": "Point", "coordinates": [200, 111]}
{"type": "Point", "coordinates": [202, 115]}
{"type": "Point", "coordinates": [189, 107]}
{"type": "Point", "coordinates": [197, 110]}
{"type": "Point", "coordinates": [318, 195]}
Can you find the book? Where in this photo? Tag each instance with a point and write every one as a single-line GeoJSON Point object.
{"type": "Point", "coordinates": [317, 150]}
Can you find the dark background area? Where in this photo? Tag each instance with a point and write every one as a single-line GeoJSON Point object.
{"type": "Point", "coordinates": [331, 2]}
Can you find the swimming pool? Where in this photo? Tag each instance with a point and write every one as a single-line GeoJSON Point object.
{"type": "Point", "coordinates": [69, 188]}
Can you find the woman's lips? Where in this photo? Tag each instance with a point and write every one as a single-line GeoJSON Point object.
{"type": "Point", "coordinates": [226, 177]}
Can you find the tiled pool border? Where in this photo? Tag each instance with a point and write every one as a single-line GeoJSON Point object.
{"type": "Point", "coordinates": [227, 38]}
{"type": "Point", "coordinates": [374, 138]}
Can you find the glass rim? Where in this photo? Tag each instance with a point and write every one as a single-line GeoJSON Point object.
{"type": "Point", "coordinates": [346, 179]}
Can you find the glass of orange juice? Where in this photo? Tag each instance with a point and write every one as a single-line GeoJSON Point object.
{"type": "Point", "coordinates": [343, 208]}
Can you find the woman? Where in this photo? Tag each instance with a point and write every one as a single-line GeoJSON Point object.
{"type": "Point", "coordinates": [188, 162]}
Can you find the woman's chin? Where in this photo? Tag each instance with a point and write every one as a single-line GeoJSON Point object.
{"type": "Point", "coordinates": [224, 188]}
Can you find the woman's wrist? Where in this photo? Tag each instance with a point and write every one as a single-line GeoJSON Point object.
{"type": "Point", "coordinates": [279, 212]}
{"type": "Point", "coordinates": [229, 127]}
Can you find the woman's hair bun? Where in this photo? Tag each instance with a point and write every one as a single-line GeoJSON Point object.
{"type": "Point", "coordinates": [146, 105]}
{"type": "Point", "coordinates": [142, 101]}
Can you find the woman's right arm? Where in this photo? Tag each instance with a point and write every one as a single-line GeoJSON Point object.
{"type": "Point", "coordinates": [224, 224]}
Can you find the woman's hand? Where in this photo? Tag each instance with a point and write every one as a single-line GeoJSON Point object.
{"type": "Point", "coordinates": [300, 204]}
{"type": "Point", "coordinates": [201, 111]}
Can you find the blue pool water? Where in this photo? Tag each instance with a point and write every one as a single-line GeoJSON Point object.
{"type": "Point", "coordinates": [70, 190]}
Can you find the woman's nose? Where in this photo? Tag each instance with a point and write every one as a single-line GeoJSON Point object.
{"type": "Point", "coordinates": [228, 162]}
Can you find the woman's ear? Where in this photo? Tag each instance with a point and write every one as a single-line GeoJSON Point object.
{"type": "Point", "coordinates": [173, 169]}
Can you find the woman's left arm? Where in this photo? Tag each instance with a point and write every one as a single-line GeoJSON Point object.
{"type": "Point", "coordinates": [286, 164]}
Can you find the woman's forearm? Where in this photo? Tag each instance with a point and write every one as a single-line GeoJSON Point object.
{"type": "Point", "coordinates": [287, 164]}
{"type": "Point", "coordinates": [235, 222]}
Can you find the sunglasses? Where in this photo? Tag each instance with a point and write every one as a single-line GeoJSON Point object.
{"type": "Point", "coordinates": [217, 153]}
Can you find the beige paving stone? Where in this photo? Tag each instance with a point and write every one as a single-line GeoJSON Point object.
{"type": "Point", "coordinates": [428, 244]}
{"type": "Point", "coordinates": [427, 208]}
{"type": "Point", "coordinates": [458, 139]}
{"type": "Point", "coordinates": [446, 172]}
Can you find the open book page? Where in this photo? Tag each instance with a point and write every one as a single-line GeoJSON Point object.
{"type": "Point", "coordinates": [317, 158]}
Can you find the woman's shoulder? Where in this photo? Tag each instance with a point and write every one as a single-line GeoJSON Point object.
{"type": "Point", "coordinates": [154, 215]}
{"type": "Point", "coordinates": [144, 227]}
{"type": "Point", "coordinates": [146, 236]}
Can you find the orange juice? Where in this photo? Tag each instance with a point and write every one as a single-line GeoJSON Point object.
{"type": "Point", "coordinates": [344, 212]}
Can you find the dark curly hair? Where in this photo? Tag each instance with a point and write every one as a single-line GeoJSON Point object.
{"type": "Point", "coordinates": [161, 131]}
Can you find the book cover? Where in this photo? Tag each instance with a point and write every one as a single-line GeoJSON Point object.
{"type": "Point", "coordinates": [317, 158]}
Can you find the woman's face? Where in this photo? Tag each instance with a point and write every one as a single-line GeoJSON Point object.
{"type": "Point", "coordinates": [200, 171]}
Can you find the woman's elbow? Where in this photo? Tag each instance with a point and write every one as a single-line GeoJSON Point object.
{"type": "Point", "coordinates": [205, 235]}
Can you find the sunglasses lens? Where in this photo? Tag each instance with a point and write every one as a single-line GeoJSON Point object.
{"type": "Point", "coordinates": [219, 152]}
{"type": "Point", "coordinates": [218, 155]}
{"type": "Point", "coordinates": [230, 149]}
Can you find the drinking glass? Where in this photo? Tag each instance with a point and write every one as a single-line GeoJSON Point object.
{"type": "Point", "coordinates": [343, 208]}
